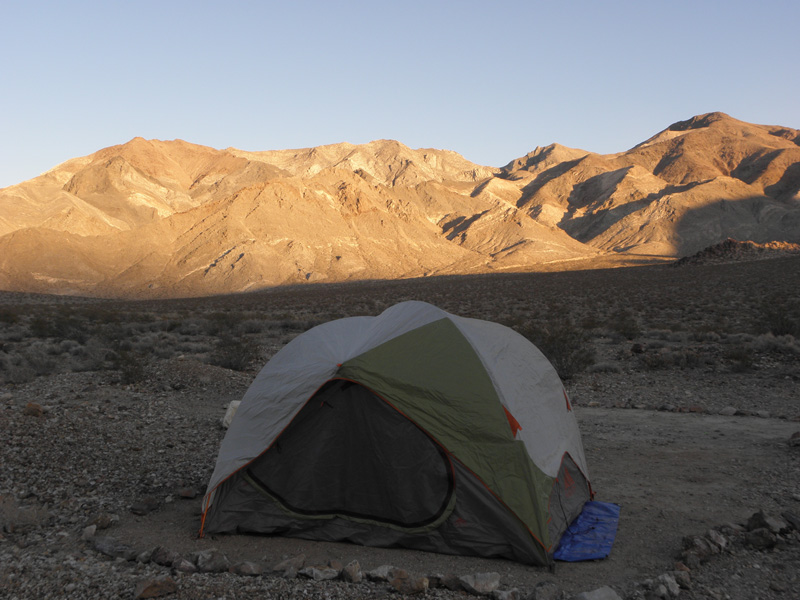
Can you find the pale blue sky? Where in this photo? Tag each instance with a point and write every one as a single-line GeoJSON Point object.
{"type": "Point", "coordinates": [490, 80]}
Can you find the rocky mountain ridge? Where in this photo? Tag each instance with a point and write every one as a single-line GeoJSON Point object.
{"type": "Point", "coordinates": [154, 218]}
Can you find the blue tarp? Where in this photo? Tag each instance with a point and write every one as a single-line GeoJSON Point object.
{"type": "Point", "coordinates": [591, 535]}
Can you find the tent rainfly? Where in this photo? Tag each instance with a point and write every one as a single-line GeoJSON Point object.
{"type": "Point", "coordinates": [416, 428]}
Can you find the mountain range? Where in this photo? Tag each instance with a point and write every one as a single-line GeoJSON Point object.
{"type": "Point", "coordinates": [152, 218]}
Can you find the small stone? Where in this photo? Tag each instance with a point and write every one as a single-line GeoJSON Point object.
{"type": "Point", "coordinates": [187, 493]}
{"type": "Point", "coordinates": [70, 587]}
{"type": "Point", "coordinates": [319, 573]}
{"type": "Point", "coordinates": [184, 565]}
{"type": "Point", "coordinates": [683, 579]}
{"type": "Point", "coordinates": [452, 582]}
{"type": "Point", "coordinates": [761, 520]}
{"type": "Point", "coordinates": [144, 556]}
{"type": "Point", "coordinates": [102, 521]}
{"type": "Point", "coordinates": [88, 532]}
{"type": "Point", "coordinates": [728, 411]}
{"type": "Point", "coordinates": [763, 414]}
{"type": "Point", "coordinates": [248, 568]}
{"type": "Point", "coordinates": [290, 566]}
{"type": "Point", "coordinates": [351, 573]}
{"type": "Point", "coordinates": [164, 556]}
{"type": "Point", "coordinates": [481, 584]}
{"type": "Point", "coordinates": [760, 539]}
{"type": "Point", "coordinates": [792, 519]}
{"type": "Point", "coordinates": [144, 506]}
{"type": "Point", "coordinates": [603, 593]}
{"type": "Point", "coordinates": [113, 548]}
{"type": "Point", "coordinates": [716, 538]}
{"type": "Point", "coordinates": [545, 590]}
{"type": "Point", "coordinates": [403, 583]}
{"type": "Point", "coordinates": [672, 587]}
{"type": "Point", "coordinates": [155, 588]}
{"type": "Point", "coordinates": [794, 440]}
{"type": "Point", "coordinates": [33, 410]}
{"type": "Point", "coordinates": [335, 564]}
{"type": "Point", "coordinates": [212, 561]}
{"type": "Point", "coordinates": [384, 573]}
{"type": "Point", "coordinates": [506, 594]}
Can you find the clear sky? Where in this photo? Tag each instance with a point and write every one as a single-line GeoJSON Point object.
{"type": "Point", "coordinates": [491, 80]}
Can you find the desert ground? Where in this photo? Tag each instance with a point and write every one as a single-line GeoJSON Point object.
{"type": "Point", "coordinates": [686, 383]}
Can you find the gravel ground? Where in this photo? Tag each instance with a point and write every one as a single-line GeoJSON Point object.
{"type": "Point", "coordinates": [100, 447]}
{"type": "Point", "coordinates": [687, 419]}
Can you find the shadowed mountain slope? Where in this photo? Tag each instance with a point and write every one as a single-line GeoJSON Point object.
{"type": "Point", "coordinates": [170, 218]}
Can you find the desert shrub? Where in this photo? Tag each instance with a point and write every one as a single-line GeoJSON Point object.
{"type": "Point", "coordinates": [15, 369]}
{"type": "Point", "coordinates": [59, 325]}
{"type": "Point", "coordinates": [131, 366]}
{"type": "Point", "coordinates": [89, 357]}
{"type": "Point", "coordinates": [781, 316]}
{"type": "Point", "coordinates": [604, 367]}
{"type": "Point", "coordinates": [9, 316]}
{"type": "Point", "coordinates": [625, 323]}
{"type": "Point", "coordinates": [250, 326]}
{"type": "Point", "coordinates": [222, 323]}
{"type": "Point", "coordinates": [741, 358]}
{"type": "Point", "coordinates": [39, 360]}
{"type": "Point", "coordinates": [564, 345]}
{"type": "Point", "coordinates": [234, 353]}
{"type": "Point", "coordinates": [667, 358]}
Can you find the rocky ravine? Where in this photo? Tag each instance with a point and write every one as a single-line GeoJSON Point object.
{"type": "Point", "coordinates": [169, 219]}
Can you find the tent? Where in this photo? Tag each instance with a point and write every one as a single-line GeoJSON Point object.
{"type": "Point", "coordinates": [415, 428]}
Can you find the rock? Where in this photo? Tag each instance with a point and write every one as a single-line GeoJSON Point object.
{"type": "Point", "coordinates": [289, 567]}
{"type": "Point", "coordinates": [761, 520]}
{"type": "Point", "coordinates": [155, 588]}
{"type": "Point", "coordinates": [351, 573]}
{"type": "Point", "coordinates": [248, 568]}
{"type": "Point", "coordinates": [229, 413]}
{"type": "Point", "coordinates": [319, 573]}
{"type": "Point", "coordinates": [794, 440]}
{"type": "Point", "coordinates": [452, 582]}
{"type": "Point", "coordinates": [792, 519]}
{"type": "Point", "coordinates": [212, 561]}
{"type": "Point", "coordinates": [480, 584]}
{"type": "Point", "coordinates": [683, 579]}
{"type": "Point", "coordinates": [603, 593]}
{"type": "Point", "coordinates": [717, 539]}
{"type": "Point", "coordinates": [545, 590]}
{"type": "Point", "coordinates": [335, 564]}
{"type": "Point", "coordinates": [763, 414]}
{"type": "Point", "coordinates": [102, 521]}
{"type": "Point", "coordinates": [506, 594]}
{"type": "Point", "coordinates": [33, 410]}
{"type": "Point", "coordinates": [144, 506]}
{"type": "Point", "coordinates": [184, 565]}
{"type": "Point", "coordinates": [145, 556]}
{"type": "Point", "coordinates": [187, 493]}
{"type": "Point", "coordinates": [407, 585]}
{"type": "Point", "coordinates": [113, 548]}
{"type": "Point", "coordinates": [384, 573]}
{"type": "Point", "coordinates": [672, 587]}
{"type": "Point", "coordinates": [761, 538]}
{"type": "Point", "coordinates": [88, 532]}
{"type": "Point", "coordinates": [728, 411]}
{"type": "Point", "coordinates": [164, 556]}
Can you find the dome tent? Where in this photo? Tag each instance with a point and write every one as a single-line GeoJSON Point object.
{"type": "Point", "coordinates": [416, 428]}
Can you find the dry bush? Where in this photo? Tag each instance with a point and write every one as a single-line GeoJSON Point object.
{"type": "Point", "coordinates": [565, 346]}
{"type": "Point", "coordinates": [234, 353]}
